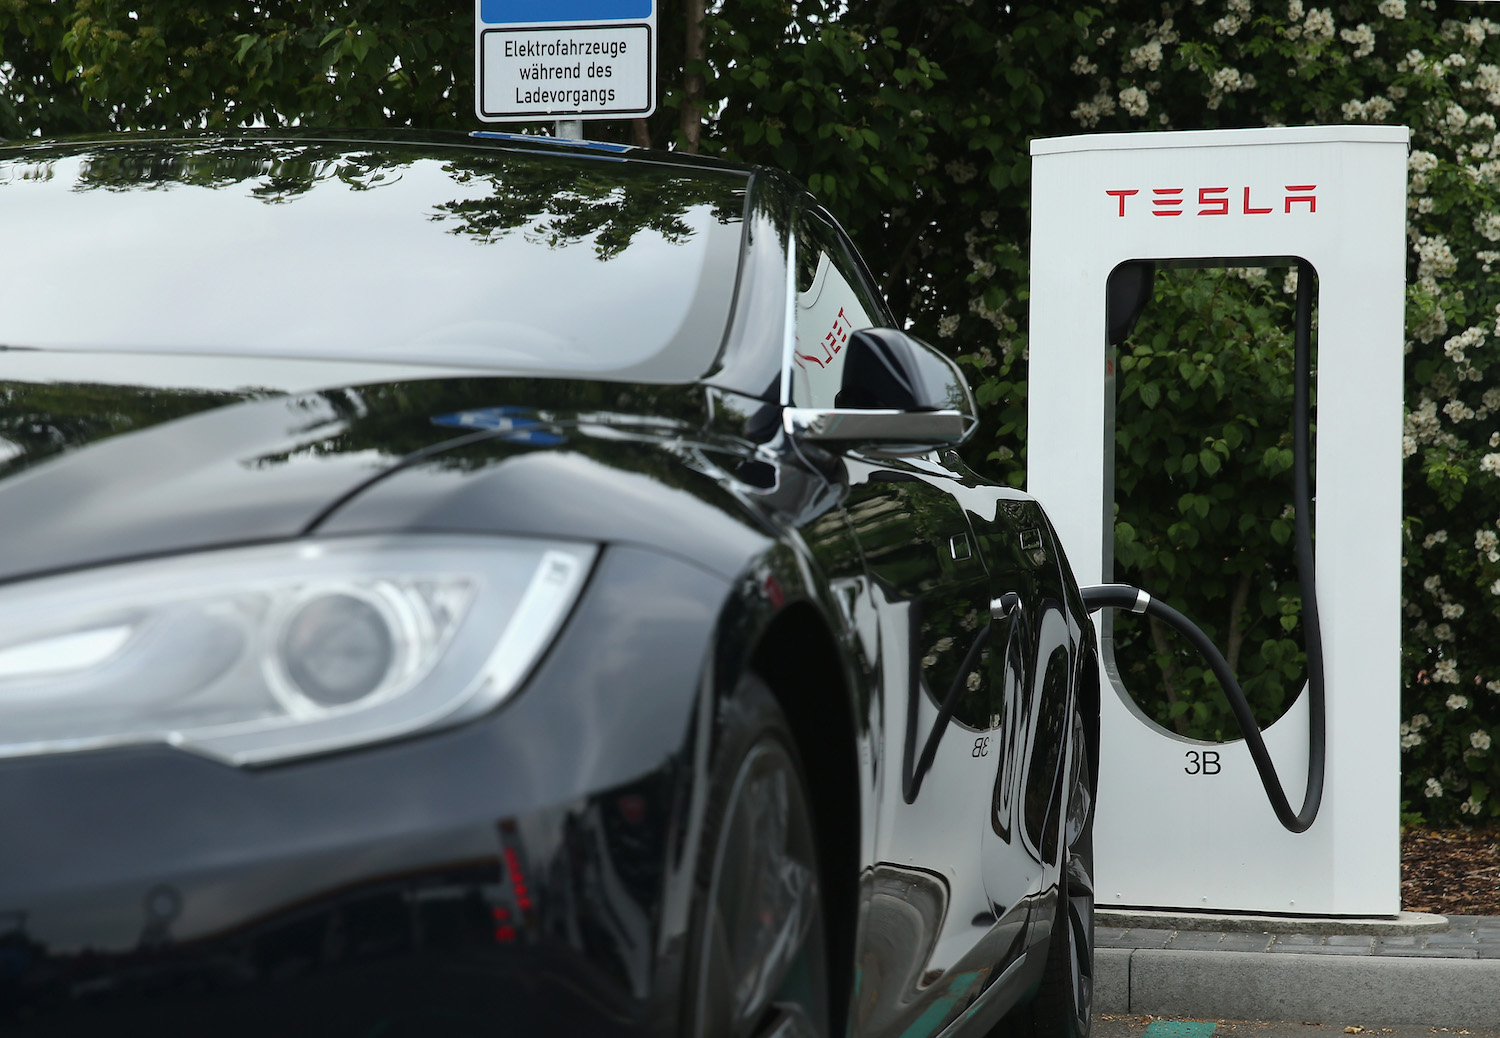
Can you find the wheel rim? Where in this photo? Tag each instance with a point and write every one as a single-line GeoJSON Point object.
{"type": "Point", "coordinates": [1079, 885]}
{"type": "Point", "coordinates": [762, 965]}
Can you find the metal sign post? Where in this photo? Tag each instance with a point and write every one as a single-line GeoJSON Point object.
{"type": "Point", "coordinates": [566, 60]}
{"type": "Point", "coordinates": [1181, 823]}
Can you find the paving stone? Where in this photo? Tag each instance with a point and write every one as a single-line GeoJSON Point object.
{"type": "Point", "coordinates": [1246, 942]}
{"type": "Point", "coordinates": [1317, 949]}
{"type": "Point", "coordinates": [1149, 938]}
{"type": "Point", "coordinates": [1111, 937]}
{"type": "Point", "coordinates": [1398, 945]}
{"type": "Point", "coordinates": [1428, 953]}
{"type": "Point", "coordinates": [1349, 940]}
{"type": "Point", "coordinates": [1297, 940]}
{"type": "Point", "coordinates": [1187, 940]}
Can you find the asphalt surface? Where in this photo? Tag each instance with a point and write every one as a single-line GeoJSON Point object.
{"type": "Point", "coordinates": [1403, 977]}
{"type": "Point", "coordinates": [1117, 1026]}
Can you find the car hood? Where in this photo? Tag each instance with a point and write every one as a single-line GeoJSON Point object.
{"type": "Point", "coordinates": [107, 461]}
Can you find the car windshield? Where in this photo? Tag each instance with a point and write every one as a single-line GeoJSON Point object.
{"type": "Point", "coordinates": [499, 259]}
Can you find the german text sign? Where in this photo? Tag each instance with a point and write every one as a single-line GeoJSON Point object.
{"type": "Point", "coordinates": [564, 59]}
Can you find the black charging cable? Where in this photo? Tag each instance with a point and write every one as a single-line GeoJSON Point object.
{"type": "Point", "coordinates": [1123, 596]}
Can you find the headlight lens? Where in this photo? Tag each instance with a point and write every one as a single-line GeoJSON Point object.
{"type": "Point", "coordinates": [268, 653]}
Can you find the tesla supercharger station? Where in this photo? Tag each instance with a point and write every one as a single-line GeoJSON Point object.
{"type": "Point", "coordinates": [1181, 824]}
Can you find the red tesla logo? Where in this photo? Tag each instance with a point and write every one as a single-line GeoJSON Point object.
{"type": "Point", "coordinates": [1217, 201]}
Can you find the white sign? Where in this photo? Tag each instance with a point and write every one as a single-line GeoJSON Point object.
{"type": "Point", "coordinates": [564, 59]}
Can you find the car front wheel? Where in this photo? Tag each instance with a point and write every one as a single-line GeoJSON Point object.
{"type": "Point", "coordinates": [756, 964]}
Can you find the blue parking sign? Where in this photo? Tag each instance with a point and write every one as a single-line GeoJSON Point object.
{"type": "Point", "coordinates": [553, 12]}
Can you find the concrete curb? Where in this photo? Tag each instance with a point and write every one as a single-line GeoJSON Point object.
{"type": "Point", "coordinates": [1439, 992]}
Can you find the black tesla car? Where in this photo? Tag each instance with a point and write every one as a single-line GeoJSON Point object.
{"type": "Point", "coordinates": [483, 585]}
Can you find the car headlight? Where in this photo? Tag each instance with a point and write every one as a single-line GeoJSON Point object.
{"type": "Point", "coordinates": [267, 653]}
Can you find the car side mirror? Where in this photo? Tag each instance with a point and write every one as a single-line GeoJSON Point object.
{"type": "Point", "coordinates": [896, 392]}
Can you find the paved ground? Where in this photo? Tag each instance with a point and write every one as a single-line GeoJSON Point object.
{"type": "Point", "coordinates": [1114, 1026]}
{"type": "Point", "coordinates": [1423, 975]}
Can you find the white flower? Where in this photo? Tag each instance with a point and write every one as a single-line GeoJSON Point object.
{"type": "Point", "coordinates": [1490, 463]}
{"type": "Point", "coordinates": [929, 661]}
{"type": "Point", "coordinates": [1421, 162]}
{"type": "Point", "coordinates": [1294, 10]}
{"type": "Point", "coordinates": [947, 326]}
{"type": "Point", "coordinates": [1436, 537]}
{"type": "Point", "coordinates": [1485, 540]}
{"type": "Point", "coordinates": [1452, 610]}
{"type": "Point", "coordinates": [1420, 721]}
{"type": "Point", "coordinates": [973, 681]}
{"type": "Point", "coordinates": [1229, 80]}
{"type": "Point", "coordinates": [1227, 26]}
{"type": "Point", "coordinates": [1147, 56]}
{"type": "Point", "coordinates": [1479, 739]}
{"type": "Point", "coordinates": [1445, 672]}
{"type": "Point", "coordinates": [1392, 8]}
{"type": "Point", "coordinates": [1319, 23]}
{"type": "Point", "coordinates": [1487, 81]}
{"type": "Point", "coordinates": [1289, 283]}
{"type": "Point", "coordinates": [1362, 37]}
{"type": "Point", "coordinates": [1470, 806]}
{"type": "Point", "coordinates": [1434, 788]}
{"type": "Point", "coordinates": [1133, 100]}
{"type": "Point", "coordinates": [1456, 701]}
{"type": "Point", "coordinates": [1443, 633]}
{"type": "Point", "coordinates": [1434, 257]}
{"type": "Point", "coordinates": [1456, 117]}
{"type": "Point", "coordinates": [943, 645]}
{"type": "Point", "coordinates": [1410, 739]}
{"type": "Point", "coordinates": [1082, 66]}
{"type": "Point", "coordinates": [1493, 686]}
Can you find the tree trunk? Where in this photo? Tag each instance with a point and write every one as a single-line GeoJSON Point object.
{"type": "Point", "coordinates": [1236, 614]}
{"type": "Point", "coordinates": [692, 84]}
{"type": "Point", "coordinates": [1169, 672]}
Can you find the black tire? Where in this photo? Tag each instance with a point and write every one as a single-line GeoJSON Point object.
{"type": "Point", "coordinates": [756, 956]}
{"type": "Point", "coordinates": [1064, 1003]}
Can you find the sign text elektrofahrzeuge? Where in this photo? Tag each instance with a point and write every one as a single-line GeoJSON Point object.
{"type": "Point", "coordinates": [591, 71]}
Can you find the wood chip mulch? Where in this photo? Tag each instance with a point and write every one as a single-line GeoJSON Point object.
{"type": "Point", "coordinates": [1451, 871]}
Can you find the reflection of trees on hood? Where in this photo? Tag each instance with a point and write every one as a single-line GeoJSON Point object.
{"type": "Point", "coordinates": [562, 204]}
{"type": "Point", "coordinates": [393, 419]}
{"type": "Point", "coordinates": [277, 171]}
{"type": "Point", "coordinates": [397, 418]}
{"type": "Point", "coordinates": [38, 421]}
{"type": "Point", "coordinates": [557, 200]}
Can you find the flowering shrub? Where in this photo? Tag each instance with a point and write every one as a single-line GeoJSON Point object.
{"type": "Point", "coordinates": [1189, 64]}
